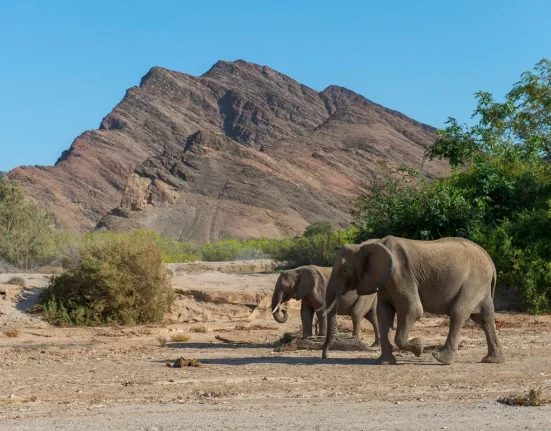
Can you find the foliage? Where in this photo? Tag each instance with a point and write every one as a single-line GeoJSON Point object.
{"type": "Point", "coordinates": [26, 230]}
{"type": "Point", "coordinates": [312, 249]}
{"type": "Point", "coordinates": [118, 279]}
{"type": "Point", "coordinates": [318, 228]}
{"type": "Point", "coordinates": [499, 194]}
{"type": "Point", "coordinates": [519, 128]}
{"type": "Point", "coordinates": [178, 251]}
{"type": "Point", "coordinates": [320, 249]}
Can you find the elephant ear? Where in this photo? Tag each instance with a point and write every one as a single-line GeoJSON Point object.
{"type": "Point", "coordinates": [377, 264]}
{"type": "Point", "coordinates": [307, 279]}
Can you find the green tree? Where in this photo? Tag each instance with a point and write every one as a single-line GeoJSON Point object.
{"type": "Point", "coordinates": [498, 195]}
{"type": "Point", "coordinates": [26, 230]}
{"type": "Point", "coordinates": [517, 128]}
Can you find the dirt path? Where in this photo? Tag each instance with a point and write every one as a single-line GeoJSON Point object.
{"type": "Point", "coordinates": [296, 415]}
{"type": "Point", "coordinates": [113, 378]}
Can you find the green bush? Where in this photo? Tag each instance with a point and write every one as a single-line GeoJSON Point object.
{"type": "Point", "coordinates": [178, 251]}
{"type": "Point", "coordinates": [220, 251]}
{"type": "Point", "coordinates": [318, 249]}
{"type": "Point", "coordinates": [118, 279]}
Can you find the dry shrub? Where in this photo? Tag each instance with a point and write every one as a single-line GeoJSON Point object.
{"type": "Point", "coordinates": [287, 343]}
{"type": "Point", "coordinates": [532, 398]}
{"type": "Point", "coordinates": [199, 329]}
{"type": "Point", "coordinates": [179, 338]}
{"type": "Point", "coordinates": [162, 340]}
{"type": "Point", "coordinates": [18, 281]}
{"type": "Point", "coordinates": [182, 362]}
{"type": "Point", "coordinates": [12, 333]}
{"type": "Point", "coordinates": [119, 279]}
{"type": "Point", "coordinates": [209, 394]}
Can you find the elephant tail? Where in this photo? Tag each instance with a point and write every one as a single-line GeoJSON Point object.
{"type": "Point", "coordinates": [493, 290]}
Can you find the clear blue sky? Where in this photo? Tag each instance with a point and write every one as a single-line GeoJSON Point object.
{"type": "Point", "coordinates": [64, 64]}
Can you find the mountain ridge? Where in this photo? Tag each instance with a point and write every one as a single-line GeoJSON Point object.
{"type": "Point", "coordinates": [261, 112]}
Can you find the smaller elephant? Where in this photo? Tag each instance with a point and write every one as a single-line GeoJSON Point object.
{"type": "Point", "coordinates": [308, 284]}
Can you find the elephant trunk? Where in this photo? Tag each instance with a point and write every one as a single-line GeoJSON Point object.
{"type": "Point", "coordinates": [332, 297]}
{"type": "Point", "coordinates": [331, 324]}
{"type": "Point", "coordinates": [279, 313]}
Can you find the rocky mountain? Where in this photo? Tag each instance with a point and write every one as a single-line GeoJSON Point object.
{"type": "Point", "coordinates": [241, 151]}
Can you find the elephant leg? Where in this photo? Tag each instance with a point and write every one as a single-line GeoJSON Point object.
{"type": "Point", "coordinates": [446, 354]}
{"type": "Point", "coordinates": [322, 322]}
{"type": "Point", "coordinates": [371, 316]}
{"type": "Point", "coordinates": [307, 316]}
{"type": "Point", "coordinates": [356, 324]}
{"type": "Point", "coordinates": [408, 314]}
{"type": "Point", "coordinates": [331, 324]}
{"type": "Point", "coordinates": [385, 318]}
{"type": "Point", "coordinates": [486, 319]}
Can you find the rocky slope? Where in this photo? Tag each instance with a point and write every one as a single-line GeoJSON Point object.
{"type": "Point", "coordinates": [241, 151]}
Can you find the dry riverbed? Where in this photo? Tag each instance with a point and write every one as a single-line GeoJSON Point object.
{"type": "Point", "coordinates": [118, 378]}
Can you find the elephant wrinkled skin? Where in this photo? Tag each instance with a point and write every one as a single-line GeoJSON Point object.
{"type": "Point", "coordinates": [450, 276]}
{"type": "Point", "coordinates": [308, 284]}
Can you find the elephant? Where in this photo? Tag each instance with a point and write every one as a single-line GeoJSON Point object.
{"type": "Point", "coordinates": [450, 276]}
{"type": "Point", "coordinates": [308, 284]}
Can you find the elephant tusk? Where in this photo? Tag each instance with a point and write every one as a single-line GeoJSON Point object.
{"type": "Point", "coordinates": [330, 307]}
{"type": "Point", "coordinates": [277, 308]}
{"type": "Point", "coordinates": [321, 308]}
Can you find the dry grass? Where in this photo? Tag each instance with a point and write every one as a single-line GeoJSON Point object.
{"type": "Point", "coordinates": [179, 338]}
{"type": "Point", "coordinates": [12, 333]}
{"type": "Point", "coordinates": [162, 340]}
{"type": "Point", "coordinates": [200, 329]}
{"type": "Point", "coordinates": [19, 281]}
{"type": "Point", "coordinates": [532, 398]}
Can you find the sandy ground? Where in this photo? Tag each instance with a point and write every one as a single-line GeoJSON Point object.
{"type": "Point", "coordinates": [117, 378]}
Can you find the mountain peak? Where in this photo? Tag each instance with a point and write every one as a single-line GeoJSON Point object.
{"type": "Point", "coordinates": [241, 141]}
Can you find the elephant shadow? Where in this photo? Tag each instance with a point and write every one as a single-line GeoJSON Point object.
{"type": "Point", "coordinates": [307, 361]}
{"type": "Point", "coordinates": [217, 346]}
{"type": "Point", "coordinates": [287, 360]}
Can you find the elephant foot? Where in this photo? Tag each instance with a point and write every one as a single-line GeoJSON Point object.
{"type": "Point", "coordinates": [495, 359]}
{"type": "Point", "coordinates": [444, 356]}
{"type": "Point", "coordinates": [386, 360]}
{"type": "Point", "coordinates": [416, 346]}
{"type": "Point", "coordinates": [325, 354]}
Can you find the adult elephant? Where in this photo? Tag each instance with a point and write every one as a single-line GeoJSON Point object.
{"type": "Point", "coordinates": [451, 276]}
{"type": "Point", "coordinates": [308, 284]}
